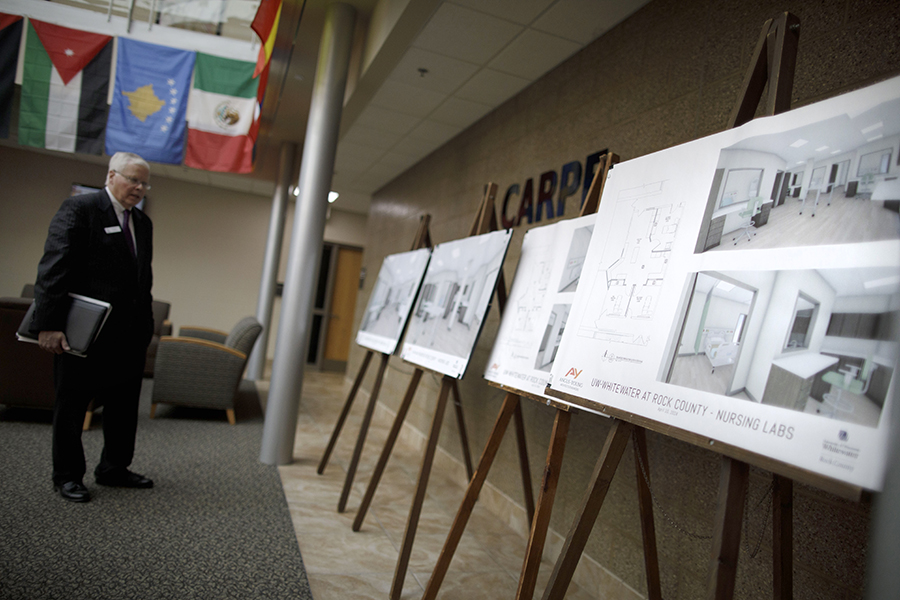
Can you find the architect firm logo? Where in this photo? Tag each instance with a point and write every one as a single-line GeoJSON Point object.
{"type": "Point", "coordinates": [574, 373]}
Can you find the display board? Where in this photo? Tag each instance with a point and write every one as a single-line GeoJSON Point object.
{"type": "Point", "coordinates": [392, 298]}
{"type": "Point", "coordinates": [538, 305]}
{"type": "Point", "coordinates": [718, 300]}
{"type": "Point", "coordinates": [454, 299]}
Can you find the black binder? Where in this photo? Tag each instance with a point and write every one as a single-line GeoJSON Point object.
{"type": "Point", "coordinates": [85, 320]}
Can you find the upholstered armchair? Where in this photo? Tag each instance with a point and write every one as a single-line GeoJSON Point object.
{"type": "Point", "coordinates": [26, 371]}
{"type": "Point", "coordinates": [161, 326]}
{"type": "Point", "coordinates": [203, 367]}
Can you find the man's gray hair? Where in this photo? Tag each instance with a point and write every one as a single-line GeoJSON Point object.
{"type": "Point", "coordinates": [120, 160]}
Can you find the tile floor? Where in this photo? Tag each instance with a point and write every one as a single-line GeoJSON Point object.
{"type": "Point", "coordinates": [342, 564]}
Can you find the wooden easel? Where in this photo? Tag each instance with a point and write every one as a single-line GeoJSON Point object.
{"type": "Point", "coordinates": [540, 519]}
{"type": "Point", "coordinates": [485, 221]}
{"type": "Point", "coordinates": [422, 240]}
{"type": "Point", "coordinates": [773, 62]}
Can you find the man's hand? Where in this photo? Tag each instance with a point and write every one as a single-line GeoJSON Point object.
{"type": "Point", "coordinates": [53, 341]}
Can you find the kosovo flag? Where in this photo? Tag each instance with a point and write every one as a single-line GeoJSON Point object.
{"type": "Point", "coordinates": [149, 104]}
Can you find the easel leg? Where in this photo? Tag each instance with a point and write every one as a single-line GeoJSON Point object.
{"type": "Point", "coordinates": [344, 412]}
{"type": "Point", "coordinates": [363, 431]}
{"type": "Point", "coordinates": [386, 451]}
{"type": "Point", "coordinates": [648, 530]}
{"type": "Point", "coordinates": [409, 535]}
{"type": "Point", "coordinates": [463, 436]}
{"type": "Point", "coordinates": [733, 479]}
{"type": "Point", "coordinates": [782, 538]}
{"type": "Point", "coordinates": [541, 521]}
{"type": "Point", "coordinates": [590, 508]}
{"type": "Point", "coordinates": [510, 403]}
{"type": "Point", "coordinates": [523, 463]}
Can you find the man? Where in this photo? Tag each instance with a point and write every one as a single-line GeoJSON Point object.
{"type": "Point", "coordinates": [99, 245]}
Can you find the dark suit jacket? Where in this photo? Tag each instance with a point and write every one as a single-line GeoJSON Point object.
{"type": "Point", "coordinates": [82, 258]}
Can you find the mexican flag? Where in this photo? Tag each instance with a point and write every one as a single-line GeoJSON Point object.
{"type": "Point", "coordinates": [223, 111]}
{"type": "Point", "coordinates": [65, 82]}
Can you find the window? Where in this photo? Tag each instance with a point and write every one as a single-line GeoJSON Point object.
{"type": "Point", "coordinates": [740, 185]}
{"type": "Point", "coordinates": [739, 328]}
{"type": "Point", "coordinates": [805, 311]}
{"type": "Point", "coordinates": [874, 163]}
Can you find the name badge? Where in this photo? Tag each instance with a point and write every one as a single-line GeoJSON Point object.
{"type": "Point", "coordinates": [114, 229]}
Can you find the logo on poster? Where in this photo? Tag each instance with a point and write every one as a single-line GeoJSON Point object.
{"type": "Point", "coordinates": [573, 373]}
{"type": "Point", "coordinates": [842, 435]}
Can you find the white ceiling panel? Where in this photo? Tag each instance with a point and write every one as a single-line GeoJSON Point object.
{"type": "Point", "coordinates": [459, 112]}
{"type": "Point", "coordinates": [385, 119]}
{"type": "Point", "coordinates": [462, 33]}
{"type": "Point", "coordinates": [415, 147]}
{"type": "Point", "coordinates": [492, 87]}
{"type": "Point", "coordinates": [444, 74]}
{"type": "Point", "coordinates": [353, 158]}
{"type": "Point", "coordinates": [434, 131]}
{"type": "Point", "coordinates": [373, 138]}
{"type": "Point", "coordinates": [406, 99]}
{"type": "Point", "coordinates": [583, 21]}
{"type": "Point", "coordinates": [533, 53]}
{"type": "Point", "coordinates": [400, 162]}
{"type": "Point", "coordinates": [517, 11]}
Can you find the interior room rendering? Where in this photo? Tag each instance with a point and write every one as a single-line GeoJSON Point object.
{"type": "Point", "coordinates": [830, 182]}
{"type": "Point", "coordinates": [393, 294]}
{"type": "Point", "coordinates": [581, 238]}
{"type": "Point", "coordinates": [812, 341]}
{"type": "Point", "coordinates": [455, 294]}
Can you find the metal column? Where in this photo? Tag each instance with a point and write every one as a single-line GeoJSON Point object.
{"type": "Point", "coordinates": [269, 280]}
{"type": "Point", "coordinates": [306, 243]}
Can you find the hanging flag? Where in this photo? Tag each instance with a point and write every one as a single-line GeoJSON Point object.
{"type": "Point", "coordinates": [149, 104]}
{"type": "Point", "coordinates": [221, 112]}
{"type": "Point", "coordinates": [10, 34]}
{"type": "Point", "coordinates": [265, 24]}
{"type": "Point", "coordinates": [65, 81]}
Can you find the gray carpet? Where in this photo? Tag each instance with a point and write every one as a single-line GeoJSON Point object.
{"type": "Point", "coordinates": [216, 525]}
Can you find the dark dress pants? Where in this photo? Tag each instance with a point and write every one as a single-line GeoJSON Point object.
{"type": "Point", "coordinates": [118, 392]}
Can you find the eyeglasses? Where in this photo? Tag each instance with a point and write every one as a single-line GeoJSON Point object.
{"type": "Point", "coordinates": [132, 180]}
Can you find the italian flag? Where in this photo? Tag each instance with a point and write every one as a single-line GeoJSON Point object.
{"type": "Point", "coordinates": [223, 113]}
{"type": "Point", "coordinates": [65, 82]}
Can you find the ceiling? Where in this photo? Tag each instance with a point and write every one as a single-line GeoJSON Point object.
{"type": "Point", "coordinates": [443, 66]}
{"type": "Point", "coordinates": [820, 140]}
{"type": "Point", "coordinates": [440, 66]}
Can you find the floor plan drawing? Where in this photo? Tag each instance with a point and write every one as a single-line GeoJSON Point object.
{"type": "Point", "coordinates": [633, 267]}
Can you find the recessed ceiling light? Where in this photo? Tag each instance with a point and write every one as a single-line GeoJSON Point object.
{"type": "Point", "coordinates": [725, 286]}
{"type": "Point", "coordinates": [877, 137]}
{"type": "Point", "coordinates": [836, 152]}
{"type": "Point", "coordinates": [821, 148]}
{"type": "Point", "coordinates": [892, 280]}
{"type": "Point", "coordinates": [800, 142]}
{"type": "Point", "coordinates": [332, 196]}
{"type": "Point", "coordinates": [872, 128]}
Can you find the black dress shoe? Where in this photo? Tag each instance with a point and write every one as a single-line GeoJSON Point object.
{"type": "Point", "coordinates": [73, 491]}
{"type": "Point", "coordinates": [124, 479]}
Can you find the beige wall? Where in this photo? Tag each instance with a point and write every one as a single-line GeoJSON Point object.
{"type": "Point", "coordinates": [669, 74]}
{"type": "Point", "coordinates": [208, 243]}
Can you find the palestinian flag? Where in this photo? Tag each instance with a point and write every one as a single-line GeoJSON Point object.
{"type": "Point", "coordinates": [65, 82]}
{"type": "Point", "coordinates": [223, 113]}
{"type": "Point", "coordinates": [10, 34]}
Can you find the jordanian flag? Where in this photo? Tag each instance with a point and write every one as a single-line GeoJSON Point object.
{"type": "Point", "coordinates": [222, 110]}
{"type": "Point", "coordinates": [65, 82]}
{"type": "Point", "coordinates": [10, 34]}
